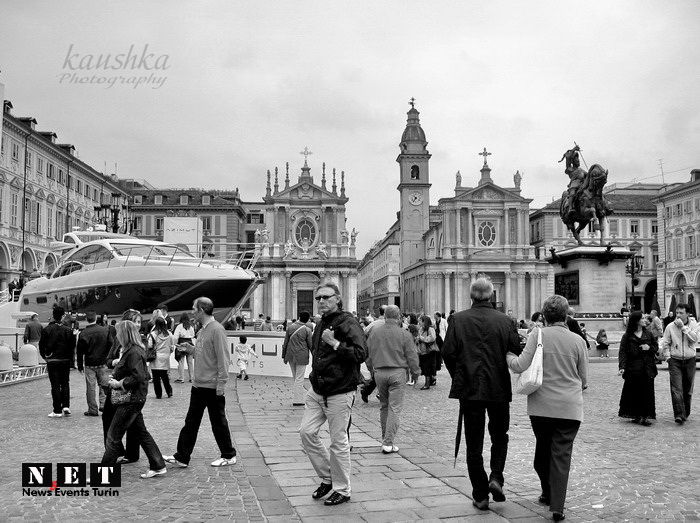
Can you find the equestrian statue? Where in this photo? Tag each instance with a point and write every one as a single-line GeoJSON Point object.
{"type": "Point", "coordinates": [583, 201]}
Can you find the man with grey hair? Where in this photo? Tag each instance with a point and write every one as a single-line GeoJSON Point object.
{"type": "Point", "coordinates": [474, 352]}
{"type": "Point", "coordinates": [391, 352]}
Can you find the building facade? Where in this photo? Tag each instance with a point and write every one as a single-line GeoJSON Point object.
{"type": "Point", "coordinates": [305, 241]}
{"type": "Point", "coordinates": [481, 230]}
{"type": "Point", "coordinates": [57, 191]}
{"type": "Point", "coordinates": [678, 264]}
{"type": "Point", "coordinates": [633, 225]}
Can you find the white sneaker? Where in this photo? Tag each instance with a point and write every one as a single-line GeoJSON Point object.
{"type": "Point", "coordinates": [154, 473]}
{"type": "Point", "coordinates": [389, 449]}
{"type": "Point", "coordinates": [410, 382]}
{"type": "Point", "coordinates": [171, 459]}
{"type": "Point", "coordinates": [223, 462]}
{"type": "Point", "coordinates": [56, 415]}
{"type": "Point", "coordinates": [66, 411]}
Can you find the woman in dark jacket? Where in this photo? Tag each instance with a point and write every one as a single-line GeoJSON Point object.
{"type": "Point", "coordinates": [427, 352]}
{"type": "Point", "coordinates": [638, 368]}
{"type": "Point", "coordinates": [131, 376]}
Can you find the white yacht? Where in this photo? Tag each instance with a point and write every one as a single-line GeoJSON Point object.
{"type": "Point", "coordinates": [119, 272]}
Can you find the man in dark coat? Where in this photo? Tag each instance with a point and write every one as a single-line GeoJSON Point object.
{"type": "Point", "coordinates": [57, 347]}
{"type": "Point", "coordinates": [93, 346]}
{"type": "Point", "coordinates": [475, 355]}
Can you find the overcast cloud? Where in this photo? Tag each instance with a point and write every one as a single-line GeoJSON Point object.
{"type": "Point", "coordinates": [250, 84]}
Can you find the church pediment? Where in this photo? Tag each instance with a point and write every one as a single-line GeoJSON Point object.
{"type": "Point", "coordinates": [305, 190]}
{"type": "Point", "coordinates": [488, 191]}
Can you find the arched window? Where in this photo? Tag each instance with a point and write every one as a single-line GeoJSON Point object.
{"type": "Point", "coordinates": [487, 234]}
{"type": "Point", "coordinates": [306, 230]}
{"type": "Point", "coordinates": [415, 172]}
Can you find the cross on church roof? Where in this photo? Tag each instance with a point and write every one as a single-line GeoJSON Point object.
{"type": "Point", "coordinates": [412, 102]}
{"type": "Point", "coordinates": [484, 154]}
{"type": "Point", "coordinates": [306, 154]}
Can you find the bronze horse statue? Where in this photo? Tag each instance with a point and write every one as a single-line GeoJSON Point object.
{"type": "Point", "coordinates": [588, 204]}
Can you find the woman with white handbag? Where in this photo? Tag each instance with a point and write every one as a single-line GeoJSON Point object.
{"type": "Point", "coordinates": [556, 406]}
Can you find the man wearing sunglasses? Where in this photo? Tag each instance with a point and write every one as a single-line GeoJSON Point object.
{"type": "Point", "coordinates": [338, 349]}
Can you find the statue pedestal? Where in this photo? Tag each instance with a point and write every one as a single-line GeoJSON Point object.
{"type": "Point", "coordinates": [593, 280]}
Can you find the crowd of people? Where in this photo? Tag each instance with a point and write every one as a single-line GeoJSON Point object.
{"type": "Point", "coordinates": [478, 346]}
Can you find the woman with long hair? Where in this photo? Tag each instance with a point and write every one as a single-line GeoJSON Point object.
{"type": "Point", "coordinates": [184, 336]}
{"type": "Point", "coordinates": [162, 341]}
{"type": "Point", "coordinates": [426, 351]}
{"type": "Point", "coordinates": [556, 408]}
{"type": "Point", "coordinates": [637, 364]}
{"type": "Point", "coordinates": [131, 377]}
{"type": "Point", "coordinates": [130, 453]}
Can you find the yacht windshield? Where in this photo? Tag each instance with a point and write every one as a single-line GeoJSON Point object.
{"type": "Point", "coordinates": [129, 249]}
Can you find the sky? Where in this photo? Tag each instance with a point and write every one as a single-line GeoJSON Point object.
{"type": "Point", "coordinates": [234, 88]}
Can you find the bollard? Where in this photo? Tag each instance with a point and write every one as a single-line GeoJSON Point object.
{"type": "Point", "coordinates": [28, 356]}
{"type": "Point", "coordinates": [6, 362]}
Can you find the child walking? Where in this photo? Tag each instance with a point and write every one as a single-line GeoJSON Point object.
{"type": "Point", "coordinates": [243, 354]}
{"type": "Point", "coordinates": [602, 341]}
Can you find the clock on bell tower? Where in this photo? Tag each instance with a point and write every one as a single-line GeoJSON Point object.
{"type": "Point", "coordinates": [414, 188]}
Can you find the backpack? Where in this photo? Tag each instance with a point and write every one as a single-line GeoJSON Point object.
{"type": "Point", "coordinates": [151, 351]}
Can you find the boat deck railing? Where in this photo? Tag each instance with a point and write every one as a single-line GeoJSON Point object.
{"type": "Point", "coordinates": [243, 255]}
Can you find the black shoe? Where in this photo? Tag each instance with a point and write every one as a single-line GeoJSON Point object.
{"type": "Point", "coordinates": [336, 499]}
{"type": "Point", "coordinates": [679, 420]}
{"type": "Point", "coordinates": [433, 382]}
{"type": "Point", "coordinates": [88, 413]}
{"type": "Point", "coordinates": [425, 387]}
{"type": "Point", "coordinates": [645, 422]}
{"type": "Point", "coordinates": [298, 404]}
{"type": "Point", "coordinates": [481, 505]}
{"type": "Point", "coordinates": [558, 516]}
{"type": "Point", "coordinates": [636, 420]}
{"type": "Point", "coordinates": [544, 499]}
{"type": "Point", "coordinates": [246, 377]}
{"type": "Point", "coordinates": [322, 490]}
{"type": "Point", "coordinates": [364, 395]}
{"type": "Point", "coordinates": [496, 490]}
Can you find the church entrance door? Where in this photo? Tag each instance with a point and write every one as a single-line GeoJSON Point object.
{"type": "Point", "coordinates": [305, 301]}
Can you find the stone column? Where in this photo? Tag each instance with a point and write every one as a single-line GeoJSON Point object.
{"type": "Point", "coordinates": [508, 298]}
{"type": "Point", "coordinates": [459, 292]}
{"type": "Point", "coordinates": [534, 293]}
{"type": "Point", "coordinates": [447, 301]}
{"type": "Point", "coordinates": [352, 292]}
{"type": "Point", "coordinates": [470, 229]}
{"type": "Point", "coordinates": [520, 310]}
{"type": "Point", "coordinates": [506, 222]}
{"type": "Point", "coordinates": [289, 311]}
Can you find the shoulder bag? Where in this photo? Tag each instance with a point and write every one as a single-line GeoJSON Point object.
{"type": "Point", "coordinates": [120, 397]}
{"type": "Point", "coordinates": [531, 378]}
{"type": "Point", "coordinates": [151, 351]}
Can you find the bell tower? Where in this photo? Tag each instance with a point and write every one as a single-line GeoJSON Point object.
{"type": "Point", "coordinates": [414, 188]}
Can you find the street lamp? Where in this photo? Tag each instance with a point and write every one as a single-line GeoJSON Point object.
{"type": "Point", "coordinates": [633, 267]}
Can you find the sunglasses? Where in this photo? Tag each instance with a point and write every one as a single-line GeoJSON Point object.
{"type": "Point", "coordinates": [322, 297]}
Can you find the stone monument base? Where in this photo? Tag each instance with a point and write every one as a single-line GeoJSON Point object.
{"type": "Point", "coordinates": [593, 280]}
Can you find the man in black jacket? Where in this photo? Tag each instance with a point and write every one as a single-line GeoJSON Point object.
{"type": "Point", "coordinates": [338, 349]}
{"type": "Point", "coordinates": [57, 347]}
{"type": "Point", "coordinates": [475, 355]}
{"type": "Point", "coordinates": [93, 346]}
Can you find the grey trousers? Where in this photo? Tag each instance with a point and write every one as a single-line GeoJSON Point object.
{"type": "Point", "coordinates": [391, 384]}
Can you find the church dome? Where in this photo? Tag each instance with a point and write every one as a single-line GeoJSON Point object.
{"type": "Point", "coordinates": [413, 132]}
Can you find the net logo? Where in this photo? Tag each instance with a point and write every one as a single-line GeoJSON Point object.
{"type": "Point", "coordinates": [72, 479]}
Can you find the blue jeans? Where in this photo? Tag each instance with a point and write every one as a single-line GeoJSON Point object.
{"type": "Point", "coordinates": [95, 378]}
{"type": "Point", "coordinates": [682, 375]}
{"type": "Point", "coordinates": [200, 399]}
{"type": "Point", "coordinates": [129, 417]}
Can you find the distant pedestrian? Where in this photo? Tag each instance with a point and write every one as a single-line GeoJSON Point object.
{"type": "Point", "coordinates": [625, 313]}
{"type": "Point", "coordinates": [57, 347]}
{"type": "Point", "coordinates": [296, 348]}
{"type": "Point", "coordinates": [536, 320]}
{"type": "Point", "coordinates": [93, 349]}
{"type": "Point", "coordinates": [427, 351]}
{"type": "Point", "coordinates": [338, 350]}
{"type": "Point", "coordinates": [267, 325]}
{"type": "Point", "coordinates": [391, 352]}
{"type": "Point", "coordinates": [575, 327]}
{"type": "Point", "coordinates": [475, 356]}
{"type": "Point", "coordinates": [184, 347]}
{"type": "Point", "coordinates": [243, 353]}
{"type": "Point", "coordinates": [169, 321]}
{"type": "Point", "coordinates": [637, 364]}
{"type": "Point", "coordinates": [602, 344]}
{"type": "Point", "coordinates": [369, 385]}
{"type": "Point", "coordinates": [212, 360]}
{"type": "Point", "coordinates": [161, 340]}
{"type": "Point", "coordinates": [32, 331]}
{"type": "Point", "coordinates": [556, 408]}
{"type": "Point", "coordinates": [679, 340]}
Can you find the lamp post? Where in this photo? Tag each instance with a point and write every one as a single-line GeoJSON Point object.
{"type": "Point", "coordinates": [633, 267]}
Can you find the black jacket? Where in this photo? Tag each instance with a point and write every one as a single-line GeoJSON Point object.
{"type": "Point", "coordinates": [576, 329]}
{"type": "Point", "coordinates": [475, 350]}
{"type": "Point", "coordinates": [132, 369]}
{"type": "Point", "coordinates": [93, 344]}
{"type": "Point", "coordinates": [337, 371]}
{"type": "Point", "coordinates": [633, 360]}
{"type": "Point", "coordinates": [57, 342]}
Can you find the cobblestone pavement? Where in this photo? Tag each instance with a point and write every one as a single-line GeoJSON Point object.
{"type": "Point", "coordinates": [620, 471]}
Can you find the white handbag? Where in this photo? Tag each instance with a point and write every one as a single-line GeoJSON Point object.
{"type": "Point", "coordinates": [531, 378]}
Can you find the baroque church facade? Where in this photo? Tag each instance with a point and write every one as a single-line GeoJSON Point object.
{"type": "Point", "coordinates": [481, 230]}
{"type": "Point", "coordinates": [305, 241]}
